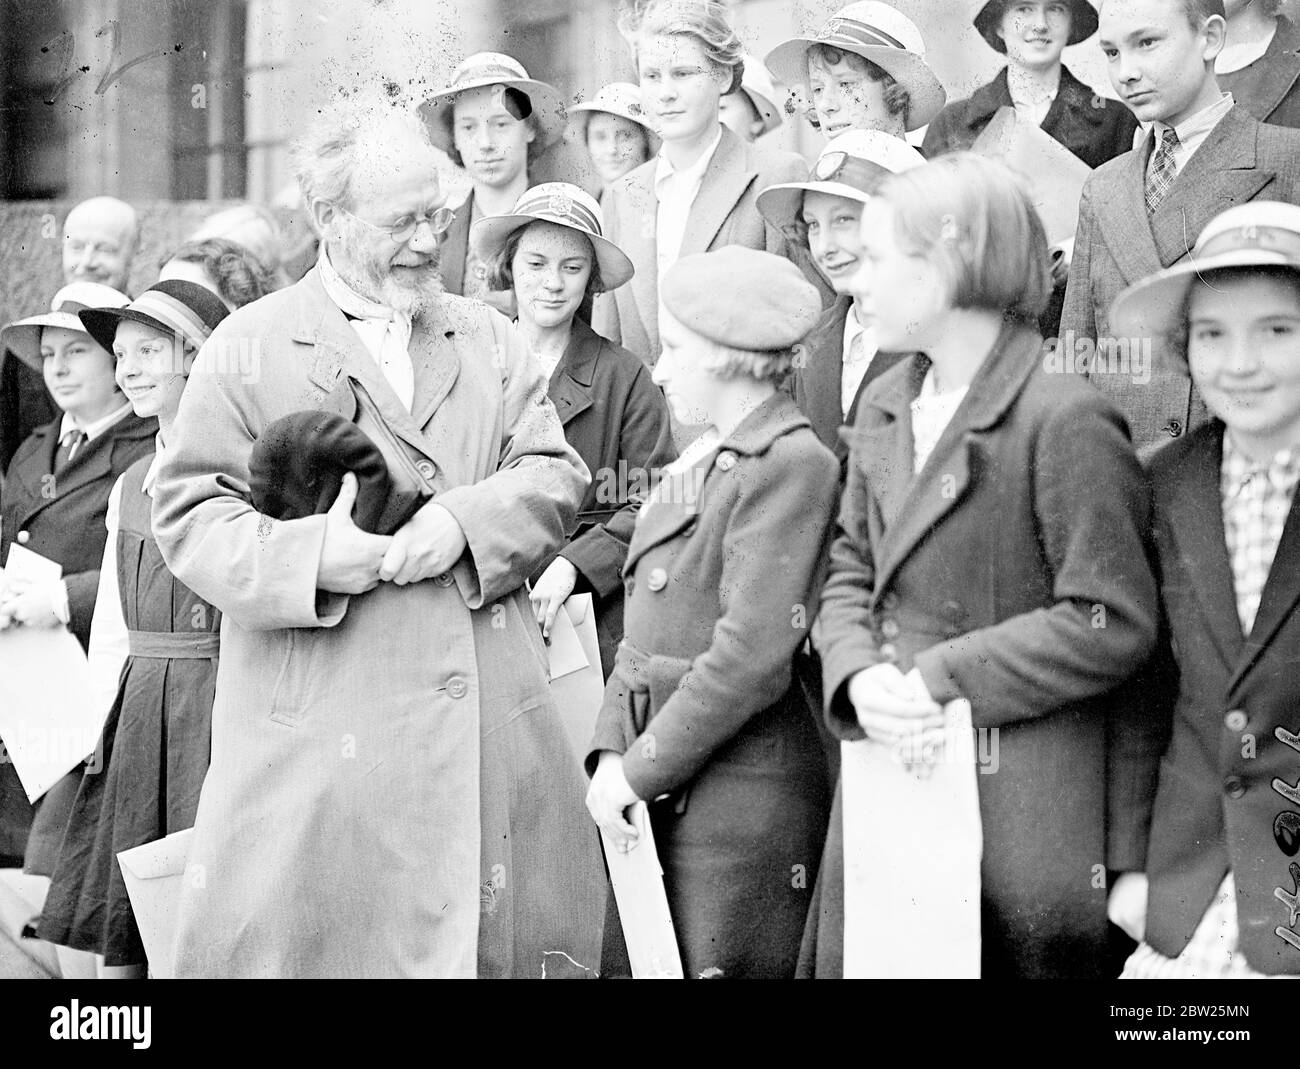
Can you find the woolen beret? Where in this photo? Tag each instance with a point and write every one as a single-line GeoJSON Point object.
{"type": "Point", "coordinates": [742, 298]}
{"type": "Point", "coordinates": [298, 463]}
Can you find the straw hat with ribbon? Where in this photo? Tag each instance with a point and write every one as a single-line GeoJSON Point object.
{"type": "Point", "coordinates": [184, 309]}
{"type": "Point", "coordinates": [618, 98]}
{"type": "Point", "coordinates": [878, 33]}
{"type": "Point", "coordinates": [23, 337]}
{"type": "Point", "coordinates": [850, 166]}
{"type": "Point", "coordinates": [494, 68]}
{"type": "Point", "coordinates": [988, 19]}
{"type": "Point", "coordinates": [562, 204]}
{"type": "Point", "coordinates": [1259, 234]}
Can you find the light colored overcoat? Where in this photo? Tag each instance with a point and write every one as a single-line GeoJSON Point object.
{"type": "Point", "coordinates": [390, 791]}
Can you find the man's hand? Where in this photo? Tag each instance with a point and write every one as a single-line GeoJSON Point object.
{"type": "Point", "coordinates": [608, 798]}
{"type": "Point", "coordinates": [428, 544]}
{"type": "Point", "coordinates": [554, 586]}
{"type": "Point", "coordinates": [1127, 904]}
{"type": "Point", "coordinates": [350, 557]}
{"type": "Point", "coordinates": [891, 709]}
{"type": "Point", "coordinates": [31, 604]}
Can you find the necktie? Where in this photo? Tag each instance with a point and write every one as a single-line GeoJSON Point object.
{"type": "Point", "coordinates": [1162, 173]}
{"type": "Point", "coordinates": [68, 446]}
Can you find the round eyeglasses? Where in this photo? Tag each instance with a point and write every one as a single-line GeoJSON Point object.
{"type": "Point", "coordinates": [404, 228]}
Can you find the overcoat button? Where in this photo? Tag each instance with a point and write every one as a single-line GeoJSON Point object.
{"type": "Point", "coordinates": [726, 460]}
{"type": "Point", "coordinates": [457, 687]}
{"type": "Point", "coordinates": [1236, 720]}
{"type": "Point", "coordinates": [24, 537]}
{"type": "Point", "coordinates": [889, 628]}
{"type": "Point", "coordinates": [657, 579]}
{"type": "Point", "coordinates": [1173, 428]}
{"type": "Point", "coordinates": [1233, 787]}
{"type": "Point", "coordinates": [425, 468]}
{"type": "Point", "coordinates": [954, 611]}
{"type": "Point", "coordinates": [889, 651]}
{"type": "Point", "coordinates": [445, 579]}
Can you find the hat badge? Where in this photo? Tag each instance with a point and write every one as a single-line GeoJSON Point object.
{"type": "Point", "coordinates": [560, 204]}
{"type": "Point", "coordinates": [1250, 233]}
{"type": "Point", "coordinates": [831, 29]}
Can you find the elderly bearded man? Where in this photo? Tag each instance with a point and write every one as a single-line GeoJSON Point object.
{"type": "Point", "coordinates": [391, 793]}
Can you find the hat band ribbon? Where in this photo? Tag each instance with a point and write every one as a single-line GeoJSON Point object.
{"type": "Point", "coordinates": [489, 70]}
{"type": "Point", "coordinates": [173, 314]}
{"type": "Point", "coordinates": [570, 212]}
{"type": "Point", "coordinates": [861, 174]}
{"type": "Point", "coordinates": [859, 33]}
{"type": "Point", "coordinates": [1271, 238]}
{"type": "Point", "coordinates": [71, 307]}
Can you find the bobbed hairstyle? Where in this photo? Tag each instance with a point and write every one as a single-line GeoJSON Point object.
{"type": "Point", "coordinates": [767, 365]}
{"type": "Point", "coordinates": [704, 20]}
{"type": "Point", "coordinates": [501, 274]}
{"type": "Point", "coordinates": [971, 218]}
{"type": "Point", "coordinates": [520, 107]}
{"type": "Point", "coordinates": [898, 102]}
{"type": "Point", "coordinates": [241, 278]}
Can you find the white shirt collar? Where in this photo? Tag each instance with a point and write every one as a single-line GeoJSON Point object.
{"type": "Point", "coordinates": [1196, 128]}
{"type": "Point", "coordinates": [151, 474]}
{"type": "Point", "coordinates": [93, 430]}
{"type": "Point", "coordinates": [349, 300]}
{"type": "Point", "coordinates": [692, 174]}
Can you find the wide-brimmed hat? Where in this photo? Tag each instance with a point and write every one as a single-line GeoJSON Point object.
{"type": "Point", "coordinates": [495, 68]}
{"type": "Point", "coordinates": [23, 336]}
{"type": "Point", "coordinates": [1259, 234]}
{"type": "Point", "coordinates": [185, 309]}
{"type": "Point", "coordinates": [618, 98]}
{"type": "Point", "coordinates": [756, 83]}
{"type": "Point", "coordinates": [850, 166]}
{"type": "Point", "coordinates": [1083, 21]}
{"type": "Point", "coordinates": [565, 205]}
{"type": "Point", "coordinates": [878, 33]}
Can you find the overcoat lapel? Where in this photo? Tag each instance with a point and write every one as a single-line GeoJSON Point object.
{"type": "Point", "coordinates": [94, 460]}
{"type": "Point", "coordinates": [454, 248]}
{"type": "Point", "coordinates": [725, 181]}
{"type": "Point", "coordinates": [636, 235]}
{"type": "Point", "coordinates": [1280, 597]}
{"type": "Point", "coordinates": [570, 385]}
{"type": "Point", "coordinates": [1120, 207]}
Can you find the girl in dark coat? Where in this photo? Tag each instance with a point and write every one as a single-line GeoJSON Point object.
{"type": "Point", "coordinates": [153, 653]}
{"type": "Point", "coordinates": [551, 253]}
{"type": "Point", "coordinates": [991, 548]}
{"type": "Point", "coordinates": [702, 718]}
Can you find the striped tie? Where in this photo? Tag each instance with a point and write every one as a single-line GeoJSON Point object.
{"type": "Point", "coordinates": [1160, 178]}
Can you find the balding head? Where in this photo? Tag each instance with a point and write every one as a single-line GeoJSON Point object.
{"type": "Point", "coordinates": [99, 239]}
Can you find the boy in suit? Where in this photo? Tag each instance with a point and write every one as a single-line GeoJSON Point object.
{"type": "Point", "coordinates": [1217, 897]}
{"type": "Point", "coordinates": [1143, 210]}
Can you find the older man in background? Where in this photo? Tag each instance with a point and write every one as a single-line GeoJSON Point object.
{"type": "Point", "coordinates": [100, 237]}
{"type": "Point", "coordinates": [391, 792]}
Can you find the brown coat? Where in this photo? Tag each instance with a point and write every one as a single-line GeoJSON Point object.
{"type": "Point", "coordinates": [989, 572]}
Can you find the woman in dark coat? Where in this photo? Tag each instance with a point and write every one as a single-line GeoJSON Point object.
{"type": "Point", "coordinates": [551, 253]}
{"type": "Point", "coordinates": [991, 548]}
{"type": "Point", "coordinates": [153, 653]}
{"type": "Point", "coordinates": [53, 503]}
{"type": "Point", "coordinates": [702, 718]}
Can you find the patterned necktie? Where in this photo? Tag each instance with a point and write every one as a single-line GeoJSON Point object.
{"type": "Point", "coordinates": [1162, 173]}
{"type": "Point", "coordinates": [68, 446]}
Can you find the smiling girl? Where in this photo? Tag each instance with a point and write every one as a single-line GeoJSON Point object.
{"type": "Point", "coordinates": [153, 651]}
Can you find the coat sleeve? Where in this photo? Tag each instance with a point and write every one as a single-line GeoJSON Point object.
{"type": "Point", "coordinates": [258, 571]}
{"type": "Point", "coordinates": [517, 517]}
{"type": "Point", "coordinates": [646, 443]}
{"type": "Point", "coordinates": [1092, 509]}
{"type": "Point", "coordinates": [82, 588]}
{"type": "Point", "coordinates": [772, 548]}
{"type": "Point", "coordinates": [1078, 316]}
{"type": "Point", "coordinates": [844, 636]}
{"type": "Point", "coordinates": [938, 135]}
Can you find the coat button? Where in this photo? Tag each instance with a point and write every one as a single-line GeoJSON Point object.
{"type": "Point", "coordinates": [1173, 428]}
{"type": "Point", "coordinates": [726, 460]}
{"type": "Point", "coordinates": [954, 611]}
{"type": "Point", "coordinates": [445, 579]}
{"type": "Point", "coordinates": [24, 537]}
{"type": "Point", "coordinates": [426, 468]}
{"type": "Point", "coordinates": [889, 651]}
{"type": "Point", "coordinates": [1236, 720]}
{"type": "Point", "coordinates": [657, 579]}
{"type": "Point", "coordinates": [889, 602]}
{"type": "Point", "coordinates": [1233, 787]}
{"type": "Point", "coordinates": [457, 687]}
{"type": "Point", "coordinates": [1286, 832]}
{"type": "Point", "coordinates": [889, 628]}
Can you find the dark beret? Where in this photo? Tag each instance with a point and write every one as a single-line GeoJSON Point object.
{"type": "Point", "coordinates": [298, 463]}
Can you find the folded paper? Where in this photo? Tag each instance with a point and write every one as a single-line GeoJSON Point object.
{"type": "Point", "coordinates": [153, 874]}
{"type": "Point", "coordinates": [638, 882]}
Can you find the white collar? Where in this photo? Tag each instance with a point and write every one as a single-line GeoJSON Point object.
{"type": "Point", "coordinates": [1198, 125]}
{"type": "Point", "coordinates": [665, 170]}
{"type": "Point", "coordinates": [348, 299]}
{"type": "Point", "coordinates": [1238, 57]}
{"type": "Point", "coordinates": [151, 474]}
{"type": "Point", "coordinates": [93, 430]}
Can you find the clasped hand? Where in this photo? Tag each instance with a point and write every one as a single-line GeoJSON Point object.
{"type": "Point", "coordinates": [608, 798]}
{"type": "Point", "coordinates": [29, 604]}
{"type": "Point", "coordinates": [897, 710]}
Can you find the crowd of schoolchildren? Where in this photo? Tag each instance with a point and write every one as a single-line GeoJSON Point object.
{"type": "Point", "coordinates": [874, 502]}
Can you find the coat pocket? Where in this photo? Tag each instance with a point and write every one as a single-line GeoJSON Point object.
{"type": "Point", "coordinates": [288, 692]}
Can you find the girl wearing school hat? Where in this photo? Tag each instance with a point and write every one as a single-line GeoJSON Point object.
{"type": "Point", "coordinates": [1037, 84]}
{"type": "Point", "coordinates": [864, 69]}
{"type": "Point", "coordinates": [840, 355]}
{"type": "Point", "coordinates": [1209, 880]}
{"type": "Point", "coordinates": [755, 108]}
{"type": "Point", "coordinates": [613, 128]}
{"type": "Point", "coordinates": [495, 121]}
{"type": "Point", "coordinates": [53, 501]}
{"type": "Point", "coordinates": [153, 650]}
{"type": "Point", "coordinates": [552, 253]}
{"type": "Point", "coordinates": [703, 706]}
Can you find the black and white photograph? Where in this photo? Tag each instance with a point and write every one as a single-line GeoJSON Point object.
{"type": "Point", "coordinates": [651, 489]}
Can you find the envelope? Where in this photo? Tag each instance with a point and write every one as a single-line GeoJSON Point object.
{"type": "Point", "coordinates": [1053, 175]}
{"type": "Point", "coordinates": [48, 719]}
{"type": "Point", "coordinates": [638, 882]}
{"type": "Point", "coordinates": [577, 692]}
{"type": "Point", "coordinates": [154, 875]}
